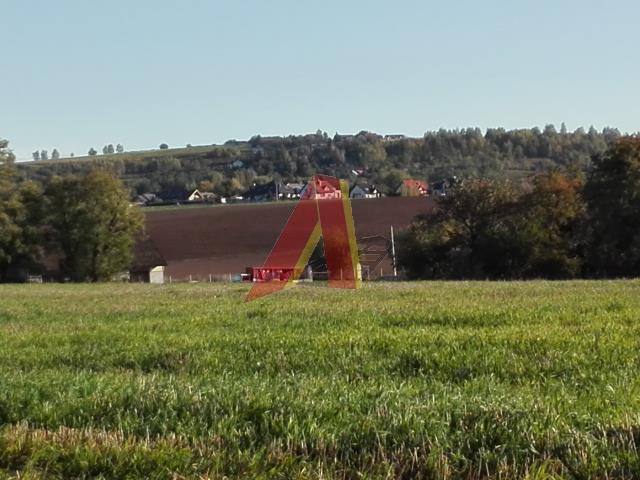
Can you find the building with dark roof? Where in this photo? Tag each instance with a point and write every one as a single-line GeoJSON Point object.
{"type": "Point", "coordinates": [413, 188]}
{"type": "Point", "coordinates": [148, 263]}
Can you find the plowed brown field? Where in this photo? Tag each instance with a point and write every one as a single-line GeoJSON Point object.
{"type": "Point", "coordinates": [222, 240]}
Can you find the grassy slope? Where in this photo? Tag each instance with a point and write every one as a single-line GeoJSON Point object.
{"type": "Point", "coordinates": [144, 155]}
{"type": "Point", "coordinates": [444, 380]}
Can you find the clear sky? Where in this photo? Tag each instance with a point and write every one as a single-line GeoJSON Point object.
{"type": "Point", "coordinates": [79, 73]}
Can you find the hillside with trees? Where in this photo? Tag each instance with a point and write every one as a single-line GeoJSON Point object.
{"type": "Point", "coordinates": [81, 222]}
{"type": "Point", "coordinates": [570, 216]}
{"type": "Point", "coordinates": [367, 157]}
{"type": "Point", "coordinates": [552, 225]}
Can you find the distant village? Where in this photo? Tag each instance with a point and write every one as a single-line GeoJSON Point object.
{"type": "Point", "coordinates": [282, 191]}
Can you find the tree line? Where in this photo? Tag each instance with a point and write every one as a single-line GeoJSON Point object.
{"type": "Point", "coordinates": [43, 155]}
{"type": "Point", "coordinates": [81, 222]}
{"type": "Point", "coordinates": [558, 223]}
{"type": "Point", "coordinates": [552, 225]}
{"type": "Point", "coordinates": [377, 159]}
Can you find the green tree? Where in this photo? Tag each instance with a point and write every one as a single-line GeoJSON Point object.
{"type": "Point", "coordinates": [92, 151]}
{"type": "Point", "coordinates": [612, 193]}
{"type": "Point", "coordinates": [10, 209]}
{"type": "Point", "coordinates": [372, 156]}
{"type": "Point", "coordinates": [216, 179]}
{"type": "Point", "coordinates": [205, 186]}
{"type": "Point", "coordinates": [229, 187]}
{"type": "Point", "coordinates": [55, 155]}
{"type": "Point", "coordinates": [283, 162]}
{"type": "Point", "coordinates": [390, 182]}
{"type": "Point", "coordinates": [465, 237]}
{"type": "Point", "coordinates": [498, 229]}
{"type": "Point", "coordinates": [554, 213]}
{"type": "Point", "coordinates": [20, 225]}
{"type": "Point", "coordinates": [94, 226]}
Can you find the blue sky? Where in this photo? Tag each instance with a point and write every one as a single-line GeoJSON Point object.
{"type": "Point", "coordinates": [77, 74]}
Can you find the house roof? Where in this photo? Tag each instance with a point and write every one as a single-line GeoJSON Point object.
{"type": "Point", "coordinates": [260, 190]}
{"type": "Point", "coordinates": [146, 255]}
{"type": "Point", "coordinates": [291, 188]}
{"type": "Point", "coordinates": [320, 187]}
{"type": "Point", "coordinates": [169, 195]}
{"type": "Point", "coordinates": [417, 184]}
{"type": "Point", "coordinates": [146, 197]}
{"type": "Point", "coordinates": [269, 189]}
{"type": "Point", "coordinates": [440, 185]}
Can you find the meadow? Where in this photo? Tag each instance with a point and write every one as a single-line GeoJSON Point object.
{"type": "Point", "coordinates": [452, 380]}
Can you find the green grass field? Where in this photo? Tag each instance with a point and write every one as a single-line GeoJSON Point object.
{"type": "Point", "coordinates": [407, 380]}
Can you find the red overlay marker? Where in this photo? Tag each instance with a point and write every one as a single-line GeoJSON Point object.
{"type": "Point", "coordinates": [324, 210]}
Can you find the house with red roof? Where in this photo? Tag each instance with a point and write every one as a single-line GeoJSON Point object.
{"type": "Point", "coordinates": [319, 189]}
{"type": "Point", "coordinates": [413, 188]}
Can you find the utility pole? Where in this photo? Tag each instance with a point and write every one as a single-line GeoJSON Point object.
{"type": "Point", "coordinates": [393, 254]}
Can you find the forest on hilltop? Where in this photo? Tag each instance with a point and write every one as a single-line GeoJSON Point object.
{"type": "Point", "coordinates": [380, 160]}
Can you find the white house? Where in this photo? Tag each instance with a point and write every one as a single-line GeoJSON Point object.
{"type": "Point", "coordinates": [358, 191]}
